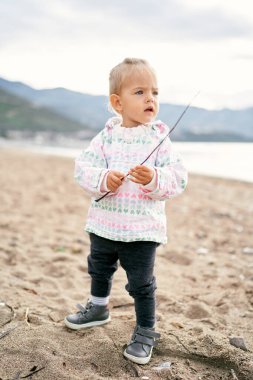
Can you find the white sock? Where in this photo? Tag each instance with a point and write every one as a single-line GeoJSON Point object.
{"type": "Point", "coordinates": [102, 301]}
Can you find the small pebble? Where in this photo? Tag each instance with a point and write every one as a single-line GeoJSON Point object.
{"type": "Point", "coordinates": [231, 250]}
{"type": "Point", "coordinates": [202, 251]}
{"type": "Point", "coordinates": [76, 249]}
{"type": "Point", "coordinates": [247, 251]}
{"type": "Point", "coordinates": [238, 342]}
{"type": "Point", "coordinates": [197, 329]}
{"type": "Point", "coordinates": [178, 325]}
{"type": "Point", "coordinates": [162, 366]}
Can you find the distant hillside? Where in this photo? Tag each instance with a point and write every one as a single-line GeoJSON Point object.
{"type": "Point", "coordinates": [197, 125]}
{"type": "Point", "coordinates": [17, 114]}
{"type": "Point", "coordinates": [84, 108]}
{"type": "Point", "coordinates": [203, 125]}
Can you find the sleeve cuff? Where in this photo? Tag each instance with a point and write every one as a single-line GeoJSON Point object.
{"type": "Point", "coordinates": [103, 185]}
{"type": "Point", "coordinates": [152, 185]}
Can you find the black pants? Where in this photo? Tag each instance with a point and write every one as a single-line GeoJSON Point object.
{"type": "Point", "coordinates": [137, 259]}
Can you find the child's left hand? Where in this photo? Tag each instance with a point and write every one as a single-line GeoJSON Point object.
{"type": "Point", "coordinates": [141, 174]}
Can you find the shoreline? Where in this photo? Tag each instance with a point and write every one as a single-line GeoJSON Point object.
{"type": "Point", "coordinates": [204, 276]}
{"type": "Point", "coordinates": [201, 158]}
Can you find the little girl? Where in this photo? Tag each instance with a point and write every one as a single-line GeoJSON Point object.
{"type": "Point", "coordinates": [128, 223]}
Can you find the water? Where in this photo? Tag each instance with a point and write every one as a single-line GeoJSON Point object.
{"type": "Point", "coordinates": [226, 160]}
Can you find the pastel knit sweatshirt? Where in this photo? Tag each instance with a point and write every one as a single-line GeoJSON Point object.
{"type": "Point", "coordinates": [133, 212]}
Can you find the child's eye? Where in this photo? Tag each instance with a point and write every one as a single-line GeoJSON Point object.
{"type": "Point", "coordinates": [156, 93]}
{"type": "Point", "coordinates": [139, 92]}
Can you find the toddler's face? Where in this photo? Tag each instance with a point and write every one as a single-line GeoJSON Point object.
{"type": "Point", "coordinates": [138, 99]}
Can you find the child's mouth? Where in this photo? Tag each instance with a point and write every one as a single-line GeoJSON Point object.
{"type": "Point", "coordinates": [149, 109]}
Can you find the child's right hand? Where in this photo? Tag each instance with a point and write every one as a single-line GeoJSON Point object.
{"type": "Point", "coordinates": [114, 180]}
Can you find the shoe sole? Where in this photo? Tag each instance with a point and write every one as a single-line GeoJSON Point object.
{"type": "Point", "coordinates": [137, 359]}
{"type": "Point", "coordinates": [74, 326]}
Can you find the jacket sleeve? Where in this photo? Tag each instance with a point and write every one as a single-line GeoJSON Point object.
{"type": "Point", "coordinates": [91, 167]}
{"type": "Point", "coordinates": [171, 175]}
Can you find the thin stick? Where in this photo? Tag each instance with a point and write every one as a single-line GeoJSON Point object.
{"type": "Point", "coordinates": [234, 375]}
{"type": "Point", "coordinates": [26, 316]}
{"type": "Point", "coordinates": [4, 333]}
{"type": "Point", "coordinates": [160, 143]}
{"type": "Point", "coordinates": [33, 372]}
{"type": "Point", "coordinates": [178, 120]}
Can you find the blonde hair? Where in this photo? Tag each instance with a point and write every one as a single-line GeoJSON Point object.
{"type": "Point", "coordinates": [124, 69]}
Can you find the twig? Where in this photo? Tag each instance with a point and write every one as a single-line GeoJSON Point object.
{"type": "Point", "coordinates": [4, 333]}
{"type": "Point", "coordinates": [234, 375]}
{"type": "Point", "coordinates": [180, 342]}
{"type": "Point", "coordinates": [32, 373]}
{"type": "Point", "coordinates": [2, 303]}
{"type": "Point", "coordinates": [26, 316]}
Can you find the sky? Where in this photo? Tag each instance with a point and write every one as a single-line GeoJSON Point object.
{"type": "Point", "coordinates": [194, 45]}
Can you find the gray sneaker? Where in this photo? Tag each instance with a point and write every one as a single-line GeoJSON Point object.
{"type": "Point", "coordinates": [139, 349]}
{"type": "Point", "coordinates": [88, 316]}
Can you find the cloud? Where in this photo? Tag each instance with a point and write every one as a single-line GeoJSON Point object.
{"type": "Point", "coordinates": [192, 45]}
{"type": "Point", "coordinates": [166, 19]}
{"type": "Point", "coordinates": [78, 21]}
{"type": "Point", "coordinates": [246, 57]}
{"type": "Point", "coordinates": [21, 20]}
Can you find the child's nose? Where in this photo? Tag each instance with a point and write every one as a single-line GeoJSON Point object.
{"type": "Point", "coordinates": [150, 98]}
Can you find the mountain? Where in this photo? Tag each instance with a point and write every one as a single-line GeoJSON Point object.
{"type": "Point", "coordinates": [18, 115]}
{"type": "Point", "coordinates": [84, 108]}
{"type": "Point", "coordinates": [198, 124]}
{"type": "Point", "coordinates": [203, 125]}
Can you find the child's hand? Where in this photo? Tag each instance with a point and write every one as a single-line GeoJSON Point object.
{"type": "Point", "coordinates": [141, 174]}
{"type": "Point", "coordinates": [114, 180]}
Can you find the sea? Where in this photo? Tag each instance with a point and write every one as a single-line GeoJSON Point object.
{"type": "Point", "coordinates": [230, 160]}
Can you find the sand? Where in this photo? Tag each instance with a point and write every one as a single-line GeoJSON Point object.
{"type": "Point", "coordinates": [204, 275]}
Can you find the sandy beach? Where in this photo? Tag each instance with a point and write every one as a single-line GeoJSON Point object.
{"type": "Point", "coordinates": [204, 276]}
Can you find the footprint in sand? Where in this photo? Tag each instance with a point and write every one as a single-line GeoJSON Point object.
{"type": "Point", "coordinates": [178, 258]}
{"type": "Point", "coordinates": [197, 311]}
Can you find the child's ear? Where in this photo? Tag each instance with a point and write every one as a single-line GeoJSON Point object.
{"type": "Point", "coordinates": [116, 103]}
